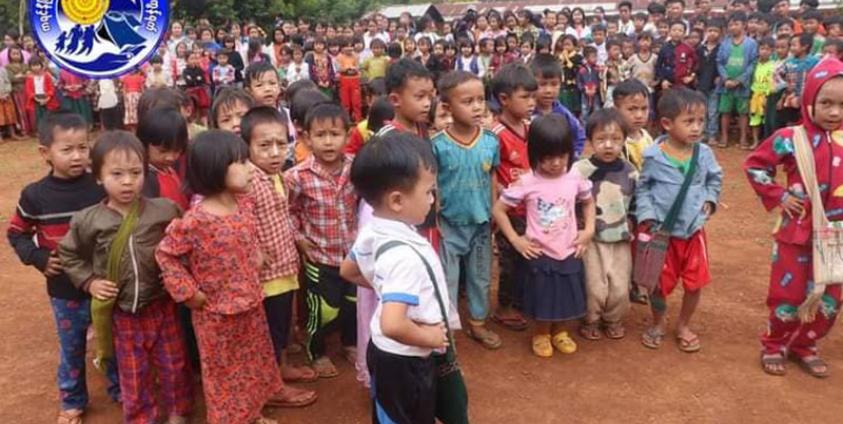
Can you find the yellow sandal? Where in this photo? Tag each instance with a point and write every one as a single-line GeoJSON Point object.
{"type": "Point", "coordinates": [542, 347]}
{"type": "Point", "coordinates": [564, 343]}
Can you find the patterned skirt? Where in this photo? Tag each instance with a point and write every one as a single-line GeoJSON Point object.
{"type": "Point", "coordinates": [239, 372]}
{"type": "Point", "coordinates": [8, 112]}
{"type": "Point", "coordinates": [130, 102]}
{"type": "Point", "coordinates": [80, 106]}
{"type": "Point", "coordinates": [25, 118]}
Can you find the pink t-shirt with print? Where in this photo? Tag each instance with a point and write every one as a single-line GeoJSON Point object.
{"type": "Point", "coordinates": [551, 220]}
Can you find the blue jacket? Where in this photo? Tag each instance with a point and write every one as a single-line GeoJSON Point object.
{"type": "Point", "coordinates": [659, 184]}
{"type": "Point", "coordinates": [576, 128]}
{"type": "Point", "coordinates": [750, 56]}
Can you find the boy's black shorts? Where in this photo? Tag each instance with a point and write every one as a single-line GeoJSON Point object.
{"type": "Point", "coordinates": [403, 387]}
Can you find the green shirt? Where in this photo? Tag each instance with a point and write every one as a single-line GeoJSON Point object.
{"type": "Point", "coordinates": [735, 65]}
{"type": "Point", "coordinates": [762, 79]}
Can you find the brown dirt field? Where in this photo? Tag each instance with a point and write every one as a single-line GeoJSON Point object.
{"type": "Point", "coordinates": [606, 381]}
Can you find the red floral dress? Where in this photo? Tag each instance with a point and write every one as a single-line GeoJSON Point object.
{"type": "Point", "coordinates": [216, 255]}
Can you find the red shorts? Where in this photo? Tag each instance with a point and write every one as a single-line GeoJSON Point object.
{"type": "Point", "coordinates": [686, 260]}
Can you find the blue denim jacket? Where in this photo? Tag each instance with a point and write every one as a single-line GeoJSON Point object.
{"type": "Point", "coordinates": [659, 184]}
{"type": "Point", "coordinates": [750, 56]}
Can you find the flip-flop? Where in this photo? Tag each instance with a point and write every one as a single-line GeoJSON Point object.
{"type": "Point", "coordinates": [325, 368]}
{"type": "Point", "coordinates": [264, 420]}
{"type": "Point", "coordinates": [484, 336]}
{"type": "Point", "coordinates": [515, 322]}
{"type": "Point", "coordinates": [652, 338]}
{"type": "Point", "coordinates": [306, 375]}
{"type": "Point", "coordinates": [689, 345]}
{"type": "Point", "coordinates": [809, 364]}
{"type": "Point", "coordinates": [771, 359]}
{"type": "Point", "coordinates": [615, 331]}
{"type": "Point", "coordinates": [302, 399]}
{"type": "Point", "coordinates": [590, 331]}
{"type": "Point", "coordinates": [70, 416]}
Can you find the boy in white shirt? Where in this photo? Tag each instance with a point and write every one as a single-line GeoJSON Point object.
{"type": "Point", "coordinates": [396, 175]}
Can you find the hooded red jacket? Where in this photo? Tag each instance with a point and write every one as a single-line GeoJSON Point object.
{"type": "Point", "coordinates": [760, 166]}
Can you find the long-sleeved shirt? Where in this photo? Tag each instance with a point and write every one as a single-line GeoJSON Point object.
{"type": "Point", "coordinates": [675, 62]}
{"type": "Point", "coordinates": [707, 68]}
{"type": "Point", "coordinates": [573, 122]}
{"type": "Point", "coordinates": [750, 56]}
{"type": "Point", "coordinates": [42, 219]}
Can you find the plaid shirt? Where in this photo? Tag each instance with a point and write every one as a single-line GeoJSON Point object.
{"type": "Point", "coordinates": [275, 232]}
{"type": "Point", "coordinates": [323, 209]}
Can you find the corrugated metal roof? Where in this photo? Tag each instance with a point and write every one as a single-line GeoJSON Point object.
{"type": "Point", "coordinates": [416, 10]}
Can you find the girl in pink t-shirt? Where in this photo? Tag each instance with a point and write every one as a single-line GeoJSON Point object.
{"type": "Point", "coordinates": [555, 289]}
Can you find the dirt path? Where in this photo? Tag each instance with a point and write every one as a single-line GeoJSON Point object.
{"type": "Point", "coordinates": [607, 381]}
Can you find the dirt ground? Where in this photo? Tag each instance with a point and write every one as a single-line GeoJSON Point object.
{"type": "Point", "coordinates": [606, 381]}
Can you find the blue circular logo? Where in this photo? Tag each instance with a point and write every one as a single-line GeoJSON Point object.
{"type": "Point", "coordinates": [99, 38]}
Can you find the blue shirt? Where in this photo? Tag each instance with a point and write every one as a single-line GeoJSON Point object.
{"type": "Point", "coordinates": [465, 177]}
{"type": "Point", "coordinates": [576, 128]}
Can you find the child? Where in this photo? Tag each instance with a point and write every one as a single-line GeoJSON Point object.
{"type": "Point", "coordinates": [40, 91]}
{"type": "Point", "coordinates": [108, 252]}
{"type": "Point", "coordinates": [209, 260]}
{"type": "Point", "coordinates": [468, 61]}
{"type": "Point", "coordinates": [554, 291]}
{"type": "Point", "coordinates": [440, 118]}
{"type": "Point", "coordinates": [762, 86]}
{"type": "Point", "coordinates": [410, 89]}
{"type": "Point", "coordinates": [42, 218]}
{"type": "Point", "coordinates": [265, 131]}
{"type": "Point", "coordinates": [74, 97]}
{"type": "Point", "coordinates": [322, 68]}
{"type": "Point", "coordinates": [632, 100]}
{"type": "Point", "coordinates": [608, 259]}
{"type": "Point", "coordinates": [666, 165]}
{"type": "Point", "coordinates": [642, 65]}
{"type": "Point", "coordinates": [196, 87]}
{"type": "Point", "coordinates": [795, 69]}
{"type": "Point", "coordinates": [707, 77]}
{"type": "Point", "coordinates": [548, 73]}
{"type": "Point", "coordinates": [132, 87]}
{"type": "Point", "coordinates": [610, 72]}
{"type": "Point", "coordinates": [598, 38]}
{"type": "Point", "coordinates": [588, 82]}
{"type": "Point", "coordinates": [228, 109]}
{"type": "Point", "coordinates": [262, 84]}
{"type": "Point", "coordinates": [514, 87]}
{"type": "Point", "coordinates": [375, 66]}
{"type": "Point", "coordinates": [467, 156]}
{"type": "Point", "coordinates": [163, 132]}
{"type": "Point", "coordinates": [380, 112]}
{"type": "Point", "coordinates": [8, 115]}
{"type": "Point", "coordinates": [791, 272]}
{"type": "Point", "coordinates": [677, 61]}
{"type": "Point", "coordinates": [17, 71]}
{"type": "Point", "coordinates": [571, 60]}
{"type": "Point", "coordinates": [297, 70]}
{"type": "Point", "coordinates": [323, 209]}
{"type": "Point", "coordinates": [349, 84]}
{"type": "Point", "coordinates": [396, 174]}
{"type": "Point", "coordinates": [736, 60]}
{"type": "Point", "coordinates": [223, 73]}
{"type": "Point", "coordinates": [156, 75]}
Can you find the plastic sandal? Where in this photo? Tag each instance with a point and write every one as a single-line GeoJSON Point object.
{"type": "Point", "coordinates": [689, 345]}
{"type": "Point", "coordinates": [652, 338]}
{"type": "Point", "coordinates": [590, 331]}
{"type": "Point", "coordinates": [810, 364]}
{"type": "Point", "coordinates": [484, 336]}
{"type": "Point", "coordinates": [769, 360]}
{"type": "Point", "coordinates": [542, 347]}
{"type": "Point", "coordinates": [70, 416]}
{"type": "Point", "coordinates": [564, 343]}
{"type": "Point", "coordinates": [325, 368]}
{"type": "Point", "coordinates": [615, 331]}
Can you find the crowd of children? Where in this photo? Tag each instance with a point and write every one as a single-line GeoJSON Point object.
{"type": "Point", "coordinates": [362, 179]}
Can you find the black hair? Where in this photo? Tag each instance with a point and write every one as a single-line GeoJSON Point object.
{"type": "Point", "coordinates": [260, 115]}
{"type": "Point", "coordinates": [806, 40]}
{"type": "Point", "coordinates": [834, 42]}
{"type": "Point", "coordinates": [737, 17]}
{"type": "Point", "coordinates": [669, 2]}
{"type": "Point", "coordinates": [59, 120]}
{"type": "Point", "coordinates": [613, 42]}
{"type": "Point", "coordinates": [628, 88]}
{"type": "Point", "coordinates": [598, 27]}
{"type": "Point", "coordinates": [656, 8]}
{"type": "Point", "coordinates": [625, 3]}
{"type": "Point", "coordinates": [302, 102]}
{"type": "Point", "coordinates": [589, 49]}
{"type": "Point", "coordinates": [641, 16]}
{"type": "Point", "coordinates": [111, 141]}
{"type": "Point", "coordinates": [327, 111]}
{"type": "Point", "coordinates": [401, 71]}
{"type": "Point", "coordinates": [546, 66]}
{"type": "Point", "coordinates": [380, 113]}
{"type": "Point", "coordinates": [156, 59]}
{"type": "Point", "coordinates": [164, 128]}
{"type": "Point", "coordinates": [645, 35]}
{"type": "Point", "coordinates": [833, 20]}
{"type": "Point", "coordinates": [256, 70]}
{"type": "Point", "coordinates": [676, 101]}
{"type": "Point", "coordinates": [300, 85]}
{"type": "Point", "coordinates": [678, 22]}
{"type": "Point", "coordinates": [767, 41]}
{"type": "Point", "coordinates": [812, 4]}
{"type": "Point", "coordinates": [812, 14]}
{"type": "Point", "coordinates": [549, 136]}
{"type": "Point", "coordinates": [715, 22]}
{"type": "Point", "coordinates": [160, 97]}
{"type": "Point", "coordinates": [209, 157]}
{"type": "Point", "coordinates": [224, 52]}
{"type": "Point", "coordinates": [394, 50]}
{"type": "Point", "coordinates": [603, 118]}
{"type": "Point", "coordinates": [377, 43]}
{"type": "Point", "coordinates": [376, 87]}
{"type": "Point", "coordinates": [227, 97]}
{"type": "Point", "coordinates": [785, 21]}
{"type": "Point", "coordinates": [452, 80]}
{"type": "Point", "coordinates": [434, 104]}
{"type": "Point", "coordinates": [390, 162]}
{"type": "Point", "coordinates": [510, 78]}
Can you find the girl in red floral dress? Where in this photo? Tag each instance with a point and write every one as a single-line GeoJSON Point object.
{"type": "Point", "coordinates": [209, 260]}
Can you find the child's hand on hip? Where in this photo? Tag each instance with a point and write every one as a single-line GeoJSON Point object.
{"type": "Point", "coordinates": [103, 289]}
{"type": "Point", "coordinates": [708, 209]}
{"type": "Point", "coordinates": [53, 267]}
{"type": "Point", "coordinates": [581, 242]}
{"type": "Point", "coordinates": [793, 206]}
{"type": "Point", "coordinates": [197, 301]}
{"type": "Point", "coordinates": [526, 247]}
{"type": "Point", "coordinates": [305, 247]}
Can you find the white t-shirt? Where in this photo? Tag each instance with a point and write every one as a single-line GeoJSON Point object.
{"type": "Point", "coordinates": [108, 94]}
{"type": "Point", "coordinates": [399, 275]}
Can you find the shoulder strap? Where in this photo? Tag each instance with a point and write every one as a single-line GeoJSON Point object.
{"type": "Point", "coordinates": [442, 308]}
{"type": "Point", "coordinates": [673, 214]}
{"type": "Point", "coordinates": [805, 162]}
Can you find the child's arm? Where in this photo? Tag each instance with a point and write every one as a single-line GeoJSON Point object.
{"type": "Point", "coordinates": [351, 272]}
{"type": "Point", "coordinates": [177, 278]}
{"type": "Point", "coordinates": [713, 185]}
{"type": "Point", "coordinates": [395, 325]}
{"type": "Point", "coordinates": [644, 209]}
{"type": "Point", "coordinates": [294, 199]}
{"type": "Point", "coordinates": [760, 167]}
{"type": "Point", "coordinates": [21, 233]}
{"type": "Point", "coordinates": [76, 251]}
{"type": "Point", "coordinates": [522, 244]}
{"type": "Point", "coordinates": [585, 235]}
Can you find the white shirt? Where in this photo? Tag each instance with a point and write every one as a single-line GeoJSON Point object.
{"type": "Point", "coordinates": [297, 72]}
{"type": "Point", "coordinates": [399, 275]}
{"type": "Point", "coordinates": [627, 27]}
{"type": "Point", "coordinates": [38, 84]}
{"type": "Point", "coordinates": [108, 94]}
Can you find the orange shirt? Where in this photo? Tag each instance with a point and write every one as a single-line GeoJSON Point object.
{"type": "Point", "coordinates": [347, 62]}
